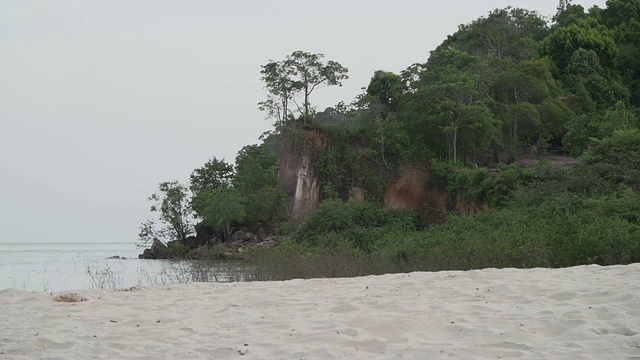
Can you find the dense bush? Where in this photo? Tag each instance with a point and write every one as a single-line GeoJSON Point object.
{"type": "Point", "coordinates": [359, 223]}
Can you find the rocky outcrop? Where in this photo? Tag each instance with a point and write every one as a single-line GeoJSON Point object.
{"type": "Point", "coordinates": [297, 173]}
{"type": "Point", "coordinates": [241, 241]}
{"type": "Point", "coordinates": [298, 177]}
{"type": "Point", "coordinates": [156, 251]}
{"type": "Point", "coordinates": [204, 236]}
{"type": "Point", "coordinates": [408, 191]}
{"type": "Point", "coordinates": [412, 191]}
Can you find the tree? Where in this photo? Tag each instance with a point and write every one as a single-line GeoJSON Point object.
{"type": "Point", "coordinates": [616, 118]}
{"type": "Point", "coordinates": [587, 34]}
{"type": "Point", "coordinates": [256, 166]}
{"type": "Point", "coordinates": [299, 74]}
{"type": "Point", "coordinates": [522, 117]}
{"type": "Point", "coordinates": [221, 208]}
{"type": "Point", "coordinates": [214, 174]}
{"type": "Point", "coordinates": [444, 108]}
{"type": "Point", "coordinates": [568, 14]}
{"type": "Point", "coordinates": [516, 88]}
{"type": "Point", "coordinates": [577, 137]}
{"type": "Point", "coordinates": [174, 212]}
{"type": "Point", "coordinates": [585, 79]}
{"type": "Point", "coordinates": [387, 88]}
{"type": "Point", "coordinates": [256, 179]}
{"type": "Point", "coordinates": [554, 116]}
{"type": "Point", "coordinates": [562, 5]}
{"type": "Point", "coordinates": [278, 79]}
{"type": "Point", "coordinates": [620, 12]}
{"type": "Point", "coordinates": [381, 101]}
{"type": "Point", "coordinates": [527, 99]}
{"type": "Point", "coordinates": [504, 33]}
{"type": "Point", "coordinates": [623, 17]}
{"type": "Point", "coordinates": [457, 105]}
{"type": "Point", "coordinates": [310, 72]}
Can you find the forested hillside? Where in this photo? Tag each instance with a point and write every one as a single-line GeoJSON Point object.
{"type": "Point", "coordinates": [509, 81]}
{"type": "Point", "coordinates": [507, 87]}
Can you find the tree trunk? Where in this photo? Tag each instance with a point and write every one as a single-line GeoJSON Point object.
{"type": "Point", "coordinates": [455, 144]}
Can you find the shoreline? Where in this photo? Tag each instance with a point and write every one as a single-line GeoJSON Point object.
{"type": "Point", "coordinates": [588, 312]}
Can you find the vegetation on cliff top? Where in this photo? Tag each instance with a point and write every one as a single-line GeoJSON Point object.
{"type": "Point", "coordinates": [504, 85]}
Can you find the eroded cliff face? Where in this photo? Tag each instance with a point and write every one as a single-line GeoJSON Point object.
{"type": "Point", "coordinates": [408, 192]}
{"type": "Point", "coordinates": [297, 172]}
{"type": "Point", "coordinates": [299, 177]}
{"type": "Point", "coordinates": [412, 191]}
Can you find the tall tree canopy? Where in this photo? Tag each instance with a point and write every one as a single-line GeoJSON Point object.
{"type": "Point", "coordinates": [298, 75]}
{"type": "Point", "coordinates": [504, 33]}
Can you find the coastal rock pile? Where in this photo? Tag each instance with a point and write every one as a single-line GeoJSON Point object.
{"type": "Point", "coordinates": [156, 251]}
{"type": "Point", "coordinates": [205, 245]}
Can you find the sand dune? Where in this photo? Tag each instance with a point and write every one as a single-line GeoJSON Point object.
{"type": "Point", "coordinates": [586, 312]}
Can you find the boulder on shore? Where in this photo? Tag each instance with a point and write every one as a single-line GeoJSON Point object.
{"type": "Point", "coordinates": [156, 250]}
{"type": "Point", "coordinates": [204, 235]}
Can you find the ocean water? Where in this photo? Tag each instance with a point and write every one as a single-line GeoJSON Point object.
{"type": "Point", "coordinates": [53, 267]}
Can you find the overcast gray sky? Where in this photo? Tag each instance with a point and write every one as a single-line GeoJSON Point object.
{"type": "Point", "coordinates": [102, 100]}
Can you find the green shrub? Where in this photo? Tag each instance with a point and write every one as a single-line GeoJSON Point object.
{"type": "Point", "coordinates": [607, 241]}
{"type": "Point", "coordinates": [359, 223]}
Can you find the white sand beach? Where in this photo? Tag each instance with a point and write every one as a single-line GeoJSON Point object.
{"type": "Point", "coordinates": [586, 312]}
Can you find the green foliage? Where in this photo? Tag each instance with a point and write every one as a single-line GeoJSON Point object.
{"type": "Point", "coordinates": [619, 13]}
{"type": "Point", "coordinates": [225, 197]}
{"type": "Point", "coordinates": [214, 174]}
{"type": "Point", "coordinates": [448, 114]}
{"type": "Point", "coordinates": [614, 161]}
{"type": "Point", "coordinates": [587, 34]}
{"type": "Point", "coordinates": [256, 179]}
{"type": "Point", "coordinates": [264, 205]}
{"type": "Point", "coordinates": [504, 33]}
{"type": "Point", "coordinates": [172, 205]}
{"type": "Point", "coordinates": [353, 158]}
{"type": "Point", "coordinates": [623, 204]}
{"type": "Point", "coordinates": [221, 209]}
{"type": "Point", "coordinates": [617, 148]}
{"type": "Point", "coordinates": [496, 187]}
{"type": "Point", "coordinates": [358, 222]}
{"type": "Point", "coordinates": [587, 84]}
{"type": "Point", "coordinates": [458, 109]}
{"type": "Point", "coordinates": [386, 87]}
{"type": "Point", "coordinates": [526, 101]}
{"type": "Point", "coordinates": [329, 163]}
{"type": "Point", "coordinates": [568, 14]}
{"type": "Point", "coordinates": [560, 231]}
{"type": "Point", "coordinates": [299, 74]}
{"type": "Point", "coordinates": [441, 172]}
